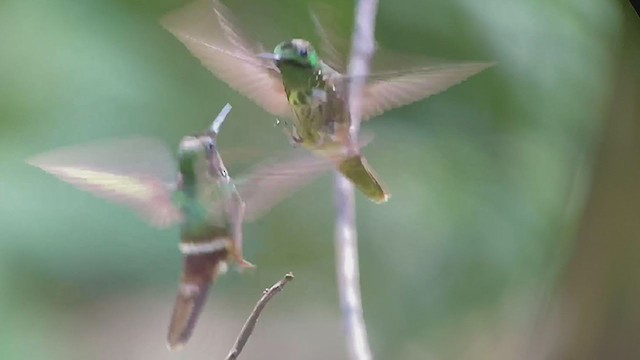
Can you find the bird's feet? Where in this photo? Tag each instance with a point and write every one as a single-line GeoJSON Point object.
{"type": "Point", "coordinates": [290, 132]}
{"type": "Point", "coordinates": [242, 263]}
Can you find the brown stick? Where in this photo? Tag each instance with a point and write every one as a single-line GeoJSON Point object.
{"type": "Point", "coordinates": [250, 324]}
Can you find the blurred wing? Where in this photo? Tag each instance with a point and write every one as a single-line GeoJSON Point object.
{"type": "Point", "coordinates": [389, 90]}
{"type": "Point", "coordinates": [138, 173]}
{"type": "Point", "coordinates": [206, 29]}
{"type": "Point", "coordinates": [272, 182]}
{"type": "Point", "coordinates": [333, 48]}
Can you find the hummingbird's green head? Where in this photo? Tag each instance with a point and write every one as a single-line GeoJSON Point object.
{"type": "Point", "coordinates": [194, 148]}
{"type": "Point", "coordinates": [297, 52]}
{"type": "Point", "coordinates": [194, 145]}
{"type": "Point", "coordinates": [200, 153]}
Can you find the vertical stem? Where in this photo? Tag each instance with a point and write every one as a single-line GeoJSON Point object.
{"type": "Point", "coordinates": [346, 235]}
{"type": "Point", "coordinates": [363, 47]}
{"type": "Point", "coordinates": [347, 271]}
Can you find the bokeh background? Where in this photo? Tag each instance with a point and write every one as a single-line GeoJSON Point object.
{"type": "Point", "coordinates": [511, 233]}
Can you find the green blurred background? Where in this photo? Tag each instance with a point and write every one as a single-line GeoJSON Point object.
{"type": "Point", "coordinates": [489, 182]}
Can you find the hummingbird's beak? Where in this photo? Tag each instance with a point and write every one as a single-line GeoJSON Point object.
{"type": "Point", "coordinates": [269, 56]}
{"type": "Point", "coordinates": [217, 123]}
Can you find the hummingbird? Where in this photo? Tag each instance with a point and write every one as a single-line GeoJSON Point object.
{"type": "Point", "coordinates": [310, 87]}
{"type": "Point", "coordinates": [200, 197]}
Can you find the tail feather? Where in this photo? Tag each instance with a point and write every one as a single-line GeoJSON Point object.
{"type": "Point", "coordinates": [357, 169]}
{"type": "Point", "coordinates": [200, 270]}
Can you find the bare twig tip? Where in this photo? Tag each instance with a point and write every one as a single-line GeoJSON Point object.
{"type": "Point", "coordinates": [250, 323]}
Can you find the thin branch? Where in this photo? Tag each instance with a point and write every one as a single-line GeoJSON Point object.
{"type": "Point", "coordinates": [348, 273]}
{"type": "Point", "coordinates": [362, 49]}
{"type": "Point", "coordinates": [250, 324]}
{"type": "Point", "coordinates": [347, 267]}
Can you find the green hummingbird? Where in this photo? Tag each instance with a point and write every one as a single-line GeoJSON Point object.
{"type": "Point", "coordinates": [200, 197]}
{"type": "Point", "coordinates": [296, 82]}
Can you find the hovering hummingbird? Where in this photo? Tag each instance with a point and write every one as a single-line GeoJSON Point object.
{"type": "Point", "coordinates": [295, 82]}
{"type": "Point", "coordinates": [200, 197]}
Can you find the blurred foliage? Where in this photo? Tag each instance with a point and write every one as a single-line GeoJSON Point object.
{"type": "Point", "coordinates": [488, 178]}
{"type": "Point", "coordinates": [596, 307]}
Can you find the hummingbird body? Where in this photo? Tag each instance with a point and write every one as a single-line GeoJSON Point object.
{"type": "Point", "coordinates": [294, 82]}
{"type": "Point", "coordinates": [320, 114]}
{"type": "Point", "coordinates": [319, 102]}
{"type": "Point", "coordinates": [210, 206]}
{"type": "Point", "coordinates": [200, 197]}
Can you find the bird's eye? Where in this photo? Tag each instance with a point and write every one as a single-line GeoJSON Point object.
{"type": "Point", "coordinates": [303, 52]}
{"type": "Point", "coordinates": [209, 145]}
{"type": "Point", "coordinates": [223, 172]}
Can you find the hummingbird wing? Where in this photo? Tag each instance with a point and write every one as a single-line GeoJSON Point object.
{"type": "Point", "coordinates": [409, 81]}
{"type": "Point", "coordinates": [333, 47]}
{"type": "Point", "coordinates": [206, 29]}
{"type": "Point", "coordinates": [388, 90]}
{"type": "Point", "coordinates": [136, 172]}
{"type": "Point", "coordinates": [273, 181]}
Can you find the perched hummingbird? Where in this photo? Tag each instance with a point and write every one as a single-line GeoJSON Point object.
{"type": "Point", "coordinates": [295, 82]}
{"type": "Point", "coordinates": [202, 199]}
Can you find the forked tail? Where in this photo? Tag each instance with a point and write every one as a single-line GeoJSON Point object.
{"type": "Point", "coordinates": [357, 169]}
{"type": "Point", "coordinates": [199, 271]}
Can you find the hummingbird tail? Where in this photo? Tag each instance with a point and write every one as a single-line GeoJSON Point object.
{"type": "Point", "coordinates": [357, 169]}
{"type": "Point", "coordinates": [199, 271]}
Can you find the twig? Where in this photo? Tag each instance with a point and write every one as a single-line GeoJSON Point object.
{"type": "Point", "coordinates": [249, 325]}
{"type": "Point", "coordinates": [363, 46]}
{"type": "Point", "coordinates": [362, 49]}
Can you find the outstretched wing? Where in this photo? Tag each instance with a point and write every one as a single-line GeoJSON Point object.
{"type": "Point", "coordinates": [136, 172]}
{"type": "Point", "coordinates": [206, 28]}
{"type": "Point", "coordinates": [388, 90]}
{"type": "Point", "coordinates": [273, 181]}
{"type": "Point", "coordinates": [333, 47]}
{"type": "Point", "coordinates": [410, 78]}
